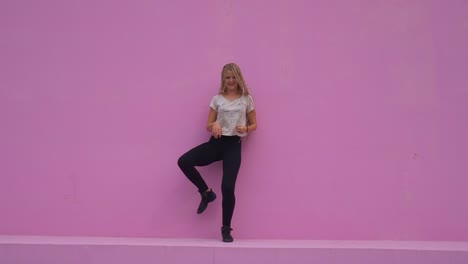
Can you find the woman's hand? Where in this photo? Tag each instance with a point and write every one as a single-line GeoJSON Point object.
{"type": "Point", "coordinates": [241, 129]}
{"type": "Point", "coordinates": [216, 131]}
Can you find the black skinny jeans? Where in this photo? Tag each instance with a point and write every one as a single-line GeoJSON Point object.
{"type": "Point", "coordinates": [227, 149]}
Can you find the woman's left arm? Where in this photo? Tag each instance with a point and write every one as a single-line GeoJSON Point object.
{"type": "Point", "coordinates": [252, 124]}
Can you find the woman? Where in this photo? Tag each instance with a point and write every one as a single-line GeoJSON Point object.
{"type": "Point", "coordinates": [231, 117]}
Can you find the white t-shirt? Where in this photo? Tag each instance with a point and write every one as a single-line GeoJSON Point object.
{"type": "Point", "coordinates": [232, 113]}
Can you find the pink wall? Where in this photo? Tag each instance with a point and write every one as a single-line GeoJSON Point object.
{"type": "Point", "coordinates": [362, 109]}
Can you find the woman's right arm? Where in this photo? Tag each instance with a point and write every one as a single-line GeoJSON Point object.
{"type": "Point", "coordinates": [212, 126]}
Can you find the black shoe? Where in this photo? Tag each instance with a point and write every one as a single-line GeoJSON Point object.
{"type": "Point", "coordinates": [226, 232]}
{"type": "Point", "coordinates": [206, 197]}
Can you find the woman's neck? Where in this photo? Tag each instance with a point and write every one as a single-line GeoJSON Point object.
{"type": "Point", "coordinates": [232, 95]}
{"type": "Point", "coordinates": [232, 92]}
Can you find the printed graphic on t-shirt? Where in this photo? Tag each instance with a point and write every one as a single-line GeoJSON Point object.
{"type": "Point", "coordinates": [231, 115]}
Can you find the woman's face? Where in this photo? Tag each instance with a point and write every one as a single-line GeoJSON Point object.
{"type": "Point", "coordinates": [230, 81]}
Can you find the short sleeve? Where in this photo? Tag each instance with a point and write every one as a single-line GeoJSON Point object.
{"type": "Point", "coordinates": [250, 104]}
{"type": "Point", "coordinates": [214, 103]}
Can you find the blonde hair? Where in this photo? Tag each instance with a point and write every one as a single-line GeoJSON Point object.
{"type": "Point", "coordinates": [238, 74]}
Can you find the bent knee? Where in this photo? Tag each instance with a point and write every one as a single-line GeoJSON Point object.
{"type": "Point", "coordinates": [183, 161]}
